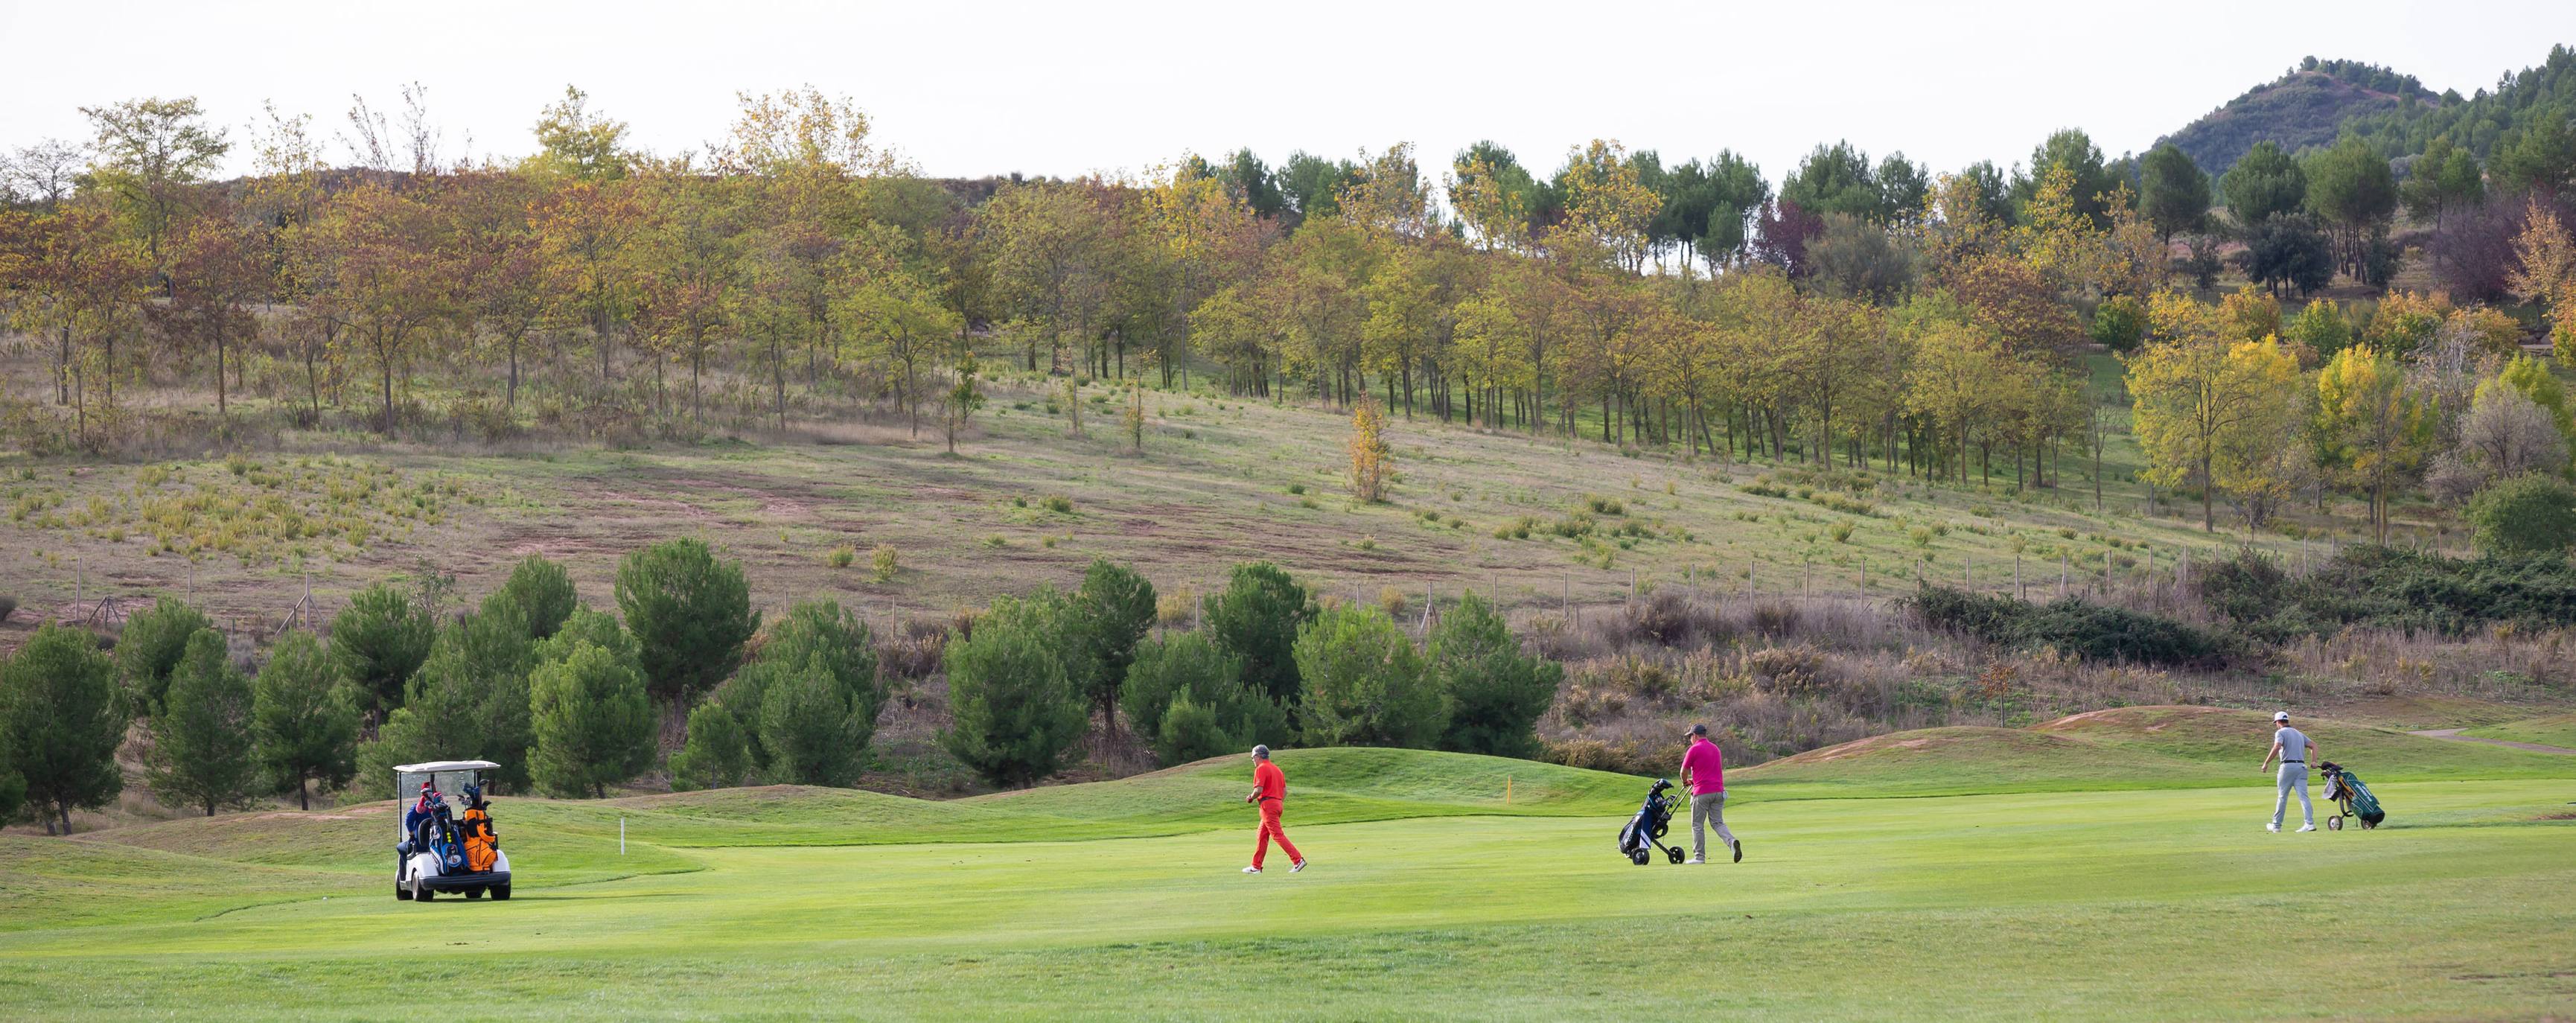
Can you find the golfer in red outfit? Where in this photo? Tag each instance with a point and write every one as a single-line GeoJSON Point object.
{"type": "Point", "coordinates": [1270, 788]}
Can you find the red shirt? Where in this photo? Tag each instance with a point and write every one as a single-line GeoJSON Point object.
{"type": "Point", "coordinates": [1705, 766]}
{"type": "Point", "coordinates": [1270, 783]}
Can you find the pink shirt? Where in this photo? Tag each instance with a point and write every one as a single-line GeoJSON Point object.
{"type": "Point", "coordinates": [1705, 766]}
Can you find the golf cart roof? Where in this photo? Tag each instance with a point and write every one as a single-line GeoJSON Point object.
{"type": "Point", "coordinates": [446, 766]}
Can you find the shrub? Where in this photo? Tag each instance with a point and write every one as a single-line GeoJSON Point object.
{"type": "Point", "coordinates": [543, 592]}
{"type": "Point", "coordinates": [201, 737]}
{"type": "Point", "coordinates": [2090, 631]}
{"type": "Point", "coordinates": [1364, 684]}
{"type": "Point", "coordinates": [814, 636]}
{"type": "Point", "coordinates": [2524, 515]}
{"type": "Point", "coordinates": [594, 724]}
{"type": "Point", "coordinates": [61, 721]}
{"type": "Point", "coordinates": [379, 642]}
{"type": "Point", "coordinates": [1257, 620]}
{"type": "Point", "coordinates": [470, 694]}
{"type": "Point", "coordinates": [1495, 692]}
{"type": "Point", "coordinates": [1060, 505]}
{"type": "Point", "coordinates": [304, 718]}
{"type": "Point", "coordinates": [716, 755]}
{"type": "Point", "coordinates": [2246, 586]}
{"type": "Point", "coordinates": [690, 614]}
{"type": "Point", "coordinates": [1391, 601]}
{"type": "Point", "coordinates": [884, 563]}
{"type": "Point", "coordinates": [1015, 715]}
{"type": "Point", "coordinates": [812, 732]}
{"type": "Point", "coordinates": [1841, 532]}
{"type": "Point", "coordinates": [151, 645]}
{"type": "Point", "coordinates": [842, 556]}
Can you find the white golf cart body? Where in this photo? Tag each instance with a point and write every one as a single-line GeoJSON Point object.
{"type": "Point", "coordinates": [419, 874]}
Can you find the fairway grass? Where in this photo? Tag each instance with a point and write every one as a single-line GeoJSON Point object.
{"type": "Point", "coordinates": [2147, 904]}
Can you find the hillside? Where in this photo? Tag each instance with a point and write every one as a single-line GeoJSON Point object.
{"type": "Point", "coordinates": [2305, 107]}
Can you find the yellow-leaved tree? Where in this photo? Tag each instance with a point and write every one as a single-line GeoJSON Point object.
{"type": "Point", "coordinates": [2212, 413]}
{"type": "Point", "coordinates": [1371, 462]}
{"type": "Point", "coordinates": [2375, 428]}
{"type": "Point", "coordinates": [2545, 273]}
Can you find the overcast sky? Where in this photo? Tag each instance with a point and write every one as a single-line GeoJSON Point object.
{"type": "Point", "coordinates": [1067, 87]}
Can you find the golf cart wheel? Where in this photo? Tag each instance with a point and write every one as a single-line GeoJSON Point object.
{"type": "Point", "coordinates": [1638, 858]}
{"type": "Point", "coordinates": [2334, 823]}
{"type": "Point", "coordinates": [500, 893]}
{"type": "Point", "coordinates": [1674, 854]}
{"type": "Point", "coordinates": [402, 894]}
{"type": "Point", "coordinates": [423, 893]}
{"type": "Point", "coordinates": [474, 893]}
{"type": "Point", "coordinates": [2368, 826]}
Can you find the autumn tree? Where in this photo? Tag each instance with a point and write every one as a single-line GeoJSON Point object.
{"type": "Point", "coordinates": [149, 156]}
{"type": "Point", "coordinates": [2207, 409]}
{"type": "Point", "coordinates": [1371, 461]}
{"type": "Point", "coordinates": [2374, 428]}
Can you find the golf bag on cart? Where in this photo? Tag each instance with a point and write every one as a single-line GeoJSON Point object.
{"type": "Point", "coordinates": [1637, 841]}
{"type": "Point", "coordinates": [2350, 797]}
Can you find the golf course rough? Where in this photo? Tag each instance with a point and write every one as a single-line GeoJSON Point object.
{"type": "Point", "coordinates": [1430, 897]}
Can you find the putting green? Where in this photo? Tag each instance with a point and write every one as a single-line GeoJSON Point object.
{"type": "Point", "coordinates": [2140, 904]}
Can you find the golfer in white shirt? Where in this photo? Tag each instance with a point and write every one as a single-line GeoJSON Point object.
{"type": "Point", "coordinates": [2294, 749]}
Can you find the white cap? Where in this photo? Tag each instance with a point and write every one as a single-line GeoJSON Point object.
{"type": "Point", "coordinates": [2280, 715]}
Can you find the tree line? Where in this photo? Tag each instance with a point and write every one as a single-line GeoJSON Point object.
{"type": "Point", "coordinates": [1866, 311]}
{"type": "Point", "coordinates": [570, 701]}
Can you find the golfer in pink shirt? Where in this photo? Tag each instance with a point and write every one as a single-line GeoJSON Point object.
{"type": "Point", "coordinates": [1704, 773]}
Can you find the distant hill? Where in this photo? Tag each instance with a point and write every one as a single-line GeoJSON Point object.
{"type": "Point", "coordinates": [2304, 107]}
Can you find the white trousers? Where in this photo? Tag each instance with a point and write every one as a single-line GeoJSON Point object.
{"type": "Point", "coordinates": [2293, 776]}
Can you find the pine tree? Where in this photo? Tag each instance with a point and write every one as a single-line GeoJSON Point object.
{"type": "Point", "coordinates": [716, 755]}
{"type": "Point", "coordinates": [201, 741]}
{"type": "Point", "coordinates": [61, 719]}
{"type": "Point", "coordinates": [151, 645]}
{"type": "Point", "coordinates": [594, 724]}
{"type": "Point", "coordinates": [304, 719]}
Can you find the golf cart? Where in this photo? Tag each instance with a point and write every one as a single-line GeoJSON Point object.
{"type": "Point", "coordinates": [443, 848]}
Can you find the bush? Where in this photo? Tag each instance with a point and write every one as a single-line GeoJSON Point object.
{"type": "Point", "coordinates": [2524, 515]}
{"type": "Point", "coordinates": [304, 718]}
{"type": "Point", "coordinates": [884, 563]}
{"type": "Point", "coordinates": [1015, 715]}
{"type": "Point", "coordinates": [201, 738]}
{"type": "Point", "coordinates": [1364, 684]}
{"type": "Point", "coordinates": [814, 635]}
{"type": "Point", "coordinates": [811, 730]}
{"type": "Point", "coordinates": [379, 642]}
{"type": "Point", "coordinates": [690, 614]}
{"type": "Point", "coordinates": [1060, 505]}
{"type": "Point", "coordinates": [1495, 693]}
{"type": "Point", "coordinates": [2090, 631]}
{"type": "Point", "coordinates": [716, 754]}
{"type": "Point", "coordinates": [1257, 619]}
{"type": "Point", "coordinates": [151, 645]}
{"type": "Point", "coordinates": [594, 724]}
{"type": "Point", "coordinates": [842, 556]}
{"type": "Point", "coordinates": [1188, 668]}
{"type": "Point", "coordinates": [543, 593]}
{"type": "Point", "coordinates": [469, 699]}
{"type": "Point", "coordinates": [61, 721]}
{"type": "Point", "coordinates": [2247, 586]}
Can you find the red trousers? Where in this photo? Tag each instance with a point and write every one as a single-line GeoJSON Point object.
{"type": "Point", "coordinates": [1270, 830]}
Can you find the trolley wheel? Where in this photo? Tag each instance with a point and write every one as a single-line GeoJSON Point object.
{"type": "Point", "coordinates": [1674, 854]}
{"type": "Point", "coordinates": [1661, 828]}
{"type": "Point", "coordinates": [2368, 826]}
{"type": "Point", "coordinates": [1638, 858]}
{"type": "Point", "coordinates": [2334, 823]}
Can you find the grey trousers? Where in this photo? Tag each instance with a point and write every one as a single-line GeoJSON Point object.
{"type": "Point", "coordinates": [1708, 810]}
{"type": "Point", "coordinates": [2293, 776]}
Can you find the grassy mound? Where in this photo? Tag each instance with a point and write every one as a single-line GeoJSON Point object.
{"type": "Point", "coordinates": [2554, 730]}
{"type": "Point", "coordinates": [2236, 739]}
{"type": "Point", "coordinates": [2127, 748]}
{"type": "Point", "coordinates": [1332, 786]}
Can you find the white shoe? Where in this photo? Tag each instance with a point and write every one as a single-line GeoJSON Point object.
{"type": "Point", "coordinates": [1256, 870]}
{"type": "Point", "coordinates": [2273, 828]}
{"type": "Point", "coordinates": [1297, 866]}
{"type": "Point", "coordinates": [1694, 859]}
{"type": "Point", "coordinates": [2307, 827]}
